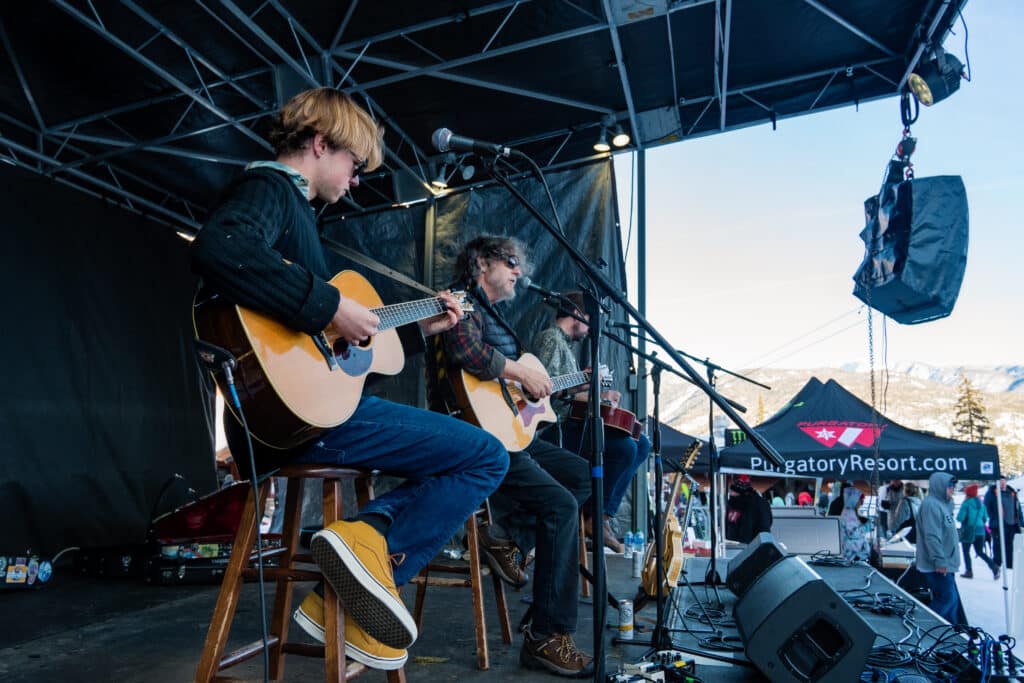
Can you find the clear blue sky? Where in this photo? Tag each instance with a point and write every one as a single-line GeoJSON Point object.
{"type": "Point", "coordinates": [754, 234]}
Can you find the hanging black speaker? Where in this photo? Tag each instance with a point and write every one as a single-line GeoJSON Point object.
{"type": "Point", "coordinates": [915, 239]}
{"type": "Point", "coordinates": [796, 628]}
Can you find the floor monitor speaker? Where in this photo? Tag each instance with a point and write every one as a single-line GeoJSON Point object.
{"type": "Point", "coordinates": [759, 555]}
{"type": "Point", "coordinates": [796, 628]}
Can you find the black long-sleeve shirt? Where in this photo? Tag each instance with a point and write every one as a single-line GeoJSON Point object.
{"type": "Point", "coordinates": [261, 249]}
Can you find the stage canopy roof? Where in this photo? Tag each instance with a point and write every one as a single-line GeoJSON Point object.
{"type": "Point", "coordinates": [825, 431]}
{"type": "Point", "coordinates": [157, 104]}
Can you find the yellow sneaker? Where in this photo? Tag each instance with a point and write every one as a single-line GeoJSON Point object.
{"type": "Point", "coordinates": [358, 644]}
{"type": "Point", "coordinates": [354, 560]}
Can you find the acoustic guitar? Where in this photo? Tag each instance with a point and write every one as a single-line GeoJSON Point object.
{"type": "Point", "coordinates": [294, 386]}
{"type": "Point", "coordinates": [671, 540]}
{"type": "Point", "coordinates": [618, 419]}
{"type": "Point", "coordinates": [502, 408]}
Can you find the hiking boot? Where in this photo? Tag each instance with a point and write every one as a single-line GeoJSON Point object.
{"type": "Point", "coordinates": [503, 558]}
{"type": "Point", "coordinates": [354, 559]}
{"type": "Point", "coordinates": [359, 646]}
{"type": "Point", "coordinates": [557, 654]}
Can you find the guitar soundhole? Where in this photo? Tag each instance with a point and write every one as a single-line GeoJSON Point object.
{"type": "Point", "coordinates": [342, 349]}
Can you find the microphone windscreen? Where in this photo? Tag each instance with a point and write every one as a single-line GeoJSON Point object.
{"type": "Point", "coordinates": [441, 139]}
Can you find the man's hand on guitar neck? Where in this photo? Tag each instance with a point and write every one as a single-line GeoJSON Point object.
{"type": "Point", "coordinates": [445, 321]}
{"type": "Point", "coordinates": [354, 322]}
{"type": "Point", "coordinates": [537, 383]}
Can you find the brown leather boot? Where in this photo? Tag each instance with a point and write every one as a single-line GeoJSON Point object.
{"type": "Point", "coordinates": [502, 557]}
{"type": "Point", "coordinates": [556, 653]}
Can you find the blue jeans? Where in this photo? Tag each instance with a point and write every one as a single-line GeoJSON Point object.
{"type": "Point", "coordinates": [945, 598]}
{"type": "Point", "coordinates": [622, 457]}
{"type": "Point", "coordinates": [449, 467]}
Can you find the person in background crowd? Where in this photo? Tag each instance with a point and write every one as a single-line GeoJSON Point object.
{"type": "Point", "coordinates": [1011, 521]}
{"type": "Point", "coordinates": [854, 527]}
{"type": "Point", "coordinates": [972, 517]}
{"type": "Point", "coordinates": [747, 513]}
{"type": "Point", "coordinates": [937, 556]}
{"type": "Point", "coordinates": [790, 498]}
{"type": "Point", "coordinates": [908, 505]}
{"type": "Point", "coordinates": [773, 497]}
{"type": "Point", "coordinates": [804, 498]}
{"type": "Point", "coordinates": [890, 500]}
{"type": "Point", "coordinates": [822, 503]}
{"type": "Point", "coordinates": [835, 508]}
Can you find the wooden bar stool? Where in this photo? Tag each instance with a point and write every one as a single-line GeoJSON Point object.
{"type": "Point", "coordinates": [241, 567]}
{"type": "Point", "coordinates": [472, 579]}
{"type": "Point", "coordinates": [584, 560]}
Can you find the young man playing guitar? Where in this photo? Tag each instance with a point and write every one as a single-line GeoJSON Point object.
{"type": "Point", "coordinates": [545, 485]}
{"type": "Point", "coordinates": [260, 249]}
{"type": "Point", "coordinates": [622, 454]}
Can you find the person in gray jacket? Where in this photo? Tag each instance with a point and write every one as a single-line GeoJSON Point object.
{"type": "Point", "coordinates": [938, 552]}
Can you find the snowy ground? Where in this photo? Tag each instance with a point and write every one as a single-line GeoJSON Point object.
{"type": "Point", "coordinates": [983, 598]}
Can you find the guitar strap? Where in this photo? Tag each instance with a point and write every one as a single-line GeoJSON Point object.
{"type": "Point", "coordinates": [376, 266]}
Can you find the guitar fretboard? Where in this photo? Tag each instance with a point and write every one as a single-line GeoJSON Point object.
{"type": "Point", "coordinates": [573, 379]}
{"type": "Point", "coordinates": [396, 315]}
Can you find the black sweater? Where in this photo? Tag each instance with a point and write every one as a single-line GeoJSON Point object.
{"type": "Point", "coordinates": [261, 249]}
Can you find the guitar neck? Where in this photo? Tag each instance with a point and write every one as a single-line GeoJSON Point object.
{"type": "Point", "coordinates": [396, 315]}
{"type": "Point", "coordinates": [573, 379]}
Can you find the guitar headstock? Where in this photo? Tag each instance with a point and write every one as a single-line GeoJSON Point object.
{"type": "Point", "coordinates": [464, 301]}
{"type": "Point", "coordinates": [691, 454]}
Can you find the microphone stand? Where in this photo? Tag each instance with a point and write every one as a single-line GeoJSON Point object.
{"type": "Point", "coordinates": [600, 284]}
{"type": "Point", "coordinates": [714, 464]}
{"type": "Point", "coordinates": [661, 638]}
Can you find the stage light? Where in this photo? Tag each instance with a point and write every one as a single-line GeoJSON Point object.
{"type": "Point", "coordinates": [620, 139]}
{"type": "Point", "coordinates": [440, 181]}
{"type": "Point", "coordinates": [602, 142]}
{"type": "Point", "coordinates": [936, 79]}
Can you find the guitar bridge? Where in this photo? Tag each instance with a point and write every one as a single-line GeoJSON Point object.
{"type": "Point", "coordinates": [322, 345]}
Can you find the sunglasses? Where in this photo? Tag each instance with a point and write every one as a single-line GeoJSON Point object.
{"type": "Point", "coordinates": [511, 260]}
{"type": "Point", "coordinates": [358, 165]}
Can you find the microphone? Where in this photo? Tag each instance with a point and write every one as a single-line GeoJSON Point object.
{"type": "Point", "coordinates": [445, 141]}
{"type": "Point", "coordinates": [526, 282]}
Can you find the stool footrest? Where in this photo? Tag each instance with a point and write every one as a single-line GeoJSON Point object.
{"type": "Point", "coordinates": [246, 652]}
{"type": "Point", "coordinates": [278, 573]}
{"type": "Point", "coordinates": [442, 581]}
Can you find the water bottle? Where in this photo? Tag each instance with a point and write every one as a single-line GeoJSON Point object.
{"type": "Point", "coordinates": [627, 545]}
{"type": "Point", "coordinates": [638, 554]}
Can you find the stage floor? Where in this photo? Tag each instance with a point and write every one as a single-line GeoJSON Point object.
{"type": "Point", "coordinates": [88, 629]}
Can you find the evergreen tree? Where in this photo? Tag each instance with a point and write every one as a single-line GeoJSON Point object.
{"type": "Point", "coordinates": [970, 422]}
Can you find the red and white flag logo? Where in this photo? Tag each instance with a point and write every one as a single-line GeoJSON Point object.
{"type": "Point", "coordinates": [831, 432]}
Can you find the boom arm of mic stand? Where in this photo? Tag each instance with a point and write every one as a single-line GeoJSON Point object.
{"type": "Point", "coordinates": [664, 366]}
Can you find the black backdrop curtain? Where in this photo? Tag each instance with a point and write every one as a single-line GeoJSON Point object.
{"type": "Point", "coordinates": [101, 402]}
{"type": "Point", "coordinates": [585, 197]}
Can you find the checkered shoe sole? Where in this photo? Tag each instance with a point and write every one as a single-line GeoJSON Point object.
{"type": "Point", "coordinates": [382, 615]}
